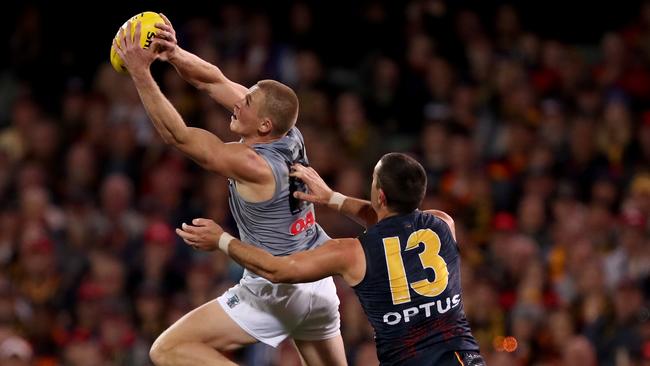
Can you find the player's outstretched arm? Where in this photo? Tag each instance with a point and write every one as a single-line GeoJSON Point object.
{"type": "Point", "coordinates": [198, 72]}
{"type": "Point", "coordinates": [335, 257]}
{"type": "Point", "coordinates": [234, 160]}
{"type": "Point", "coordinates": [359, 210]}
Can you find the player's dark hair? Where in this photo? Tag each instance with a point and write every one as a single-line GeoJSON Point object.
{"type": "Point", "coordinates": [403, 181]}
{"type": "Point", "coordinates": [280, 105]}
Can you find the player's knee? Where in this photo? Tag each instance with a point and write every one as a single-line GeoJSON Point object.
{"type": "Point", "coordinates": [156, 355]}
{"type": "Point", "coordinates": [159, 351]}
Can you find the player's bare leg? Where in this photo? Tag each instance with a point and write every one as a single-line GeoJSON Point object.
{"type": "Point", "coordinates": [196, 338]}
{"type": "Point", "coordinates": [302, 359]}
{"type": "Point", "coordinates": [328, 352]}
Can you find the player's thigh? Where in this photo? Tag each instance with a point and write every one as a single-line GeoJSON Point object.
{"type": "Point", "coordinates": [323, 352]}
{"type": "Point", "coordinates": [208, 324]}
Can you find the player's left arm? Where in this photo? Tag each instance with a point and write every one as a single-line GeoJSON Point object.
{"type": "Point", "coordinates": [334, 257]}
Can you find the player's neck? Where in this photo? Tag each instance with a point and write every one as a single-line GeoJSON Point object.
{"type": "Point", "coordinates": [259, 139]}
{"type": "Point", "coordinates": [384, 213]}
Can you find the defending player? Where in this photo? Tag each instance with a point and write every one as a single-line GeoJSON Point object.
{"type": "Point", "coordinates": [405, 268]}
{"type": "Point", "coordinates": [261, 202]}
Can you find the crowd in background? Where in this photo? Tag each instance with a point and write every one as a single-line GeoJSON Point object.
{"type": "Point", "coordinates": [539, 148]}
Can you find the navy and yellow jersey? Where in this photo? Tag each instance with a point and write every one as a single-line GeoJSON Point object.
{"type": "Point", "coordinates": [411, 292]}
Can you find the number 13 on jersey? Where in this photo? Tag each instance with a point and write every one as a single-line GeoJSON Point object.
{"type": "Point", "coordinates": [430, 258]}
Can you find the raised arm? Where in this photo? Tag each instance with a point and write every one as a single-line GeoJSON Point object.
{"type": "Point", "coordinates": [357, 209]}
{"type": "Point", "coordinates": [198, 72]}
{"type": "Point", "coordinates": [233, 160]}
{"type": "Point", "coordinates": [342, 257]}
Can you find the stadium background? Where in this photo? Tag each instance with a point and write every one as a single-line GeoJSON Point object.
{"type": "Point", "coordinates": [532, 120]}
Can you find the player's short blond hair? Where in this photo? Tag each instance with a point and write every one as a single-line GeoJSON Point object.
{"type": "Point", "coordinates": [280, 105]}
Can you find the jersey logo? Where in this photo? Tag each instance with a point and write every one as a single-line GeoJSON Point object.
{"type": "Point", "coordinates": [233, 301]}
{"type": "Point", "coordinates": [302, 224]}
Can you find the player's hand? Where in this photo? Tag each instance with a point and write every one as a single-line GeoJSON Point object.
{"type": "Point", "coordinates": [203, 234]}
{"type": "Point", "coordinates": [135, 57]}
{"type": "Point", "coordinates": [165, 43]}
{"type": "Point", "coordinates": [319, 191]}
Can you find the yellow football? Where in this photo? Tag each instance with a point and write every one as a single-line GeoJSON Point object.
{"type": "Point", "coordinates": [148, 19]}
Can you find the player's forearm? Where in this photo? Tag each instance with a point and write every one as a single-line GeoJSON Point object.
{"type": "Point", "coordinates": [258, 261]}
{"type": "Point", "coordinates": [163, 115]}
{"type": "Point", "coordinates": [195, 70]}
{"type": "Point", "coordinates": [359, 210]}
{"type": "Point", "coordinates": [206, 77]}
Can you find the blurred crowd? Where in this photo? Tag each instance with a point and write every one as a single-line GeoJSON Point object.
{"type": "Point", "coordinates": [539, 148]}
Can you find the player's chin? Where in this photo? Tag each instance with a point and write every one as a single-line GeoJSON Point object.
{"type": "Point", "coordinates": [237, 127]}
{"type": "Point", "coordinates": [233, 125]}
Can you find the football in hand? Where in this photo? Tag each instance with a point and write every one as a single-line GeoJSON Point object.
{"type": "Point", "coordinates": [148, 19]}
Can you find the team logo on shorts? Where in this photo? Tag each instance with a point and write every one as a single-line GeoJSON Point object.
{"type": "Point", "coordinates": [233, 301]}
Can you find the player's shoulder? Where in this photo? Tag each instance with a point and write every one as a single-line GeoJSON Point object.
{"type": "Point", "coordinates": [286, 144]}
{"type": "Point", "coordinates": [390, 226]}
{"type": "Point", "coordinates": [440, 215]}
{"type": "Point", "coordinates": [441, 218]}
{"type": "Point", "coordinates": [295, 130]}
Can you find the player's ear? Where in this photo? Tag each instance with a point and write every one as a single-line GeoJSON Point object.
{"type": "Point", "coordinates": [381, 196]}
{"type": "Point", "coordinates": [266, 126]}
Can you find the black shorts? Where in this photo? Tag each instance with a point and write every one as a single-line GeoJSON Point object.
{"type": "Point", "coordinates": [461, 358]}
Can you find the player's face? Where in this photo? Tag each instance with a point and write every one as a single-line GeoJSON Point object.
{"type": "Point", "coordinates": [245, 118]}
{"type": "Point", "coordinates": [374, 191]}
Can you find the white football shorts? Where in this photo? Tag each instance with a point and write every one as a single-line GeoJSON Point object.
{"type": "Point", "coordinates": [271, 312]}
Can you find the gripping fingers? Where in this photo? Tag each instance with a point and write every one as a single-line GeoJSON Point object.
{"type": "Point", "coordinates": [305, 196]}
{"type": "Point", "coordinates": [164, 27]}
{"type": "Point", "coordinates": [200, 222]}
{"type": "Point", "coordinates": [189, 229]}
{"type": "Point", "coordinates": [118, 50]}
{"type": "Point", "coordinates": [160, 44]}
{"type": "Point", "coordinates": [126, 36]}
{"type": "Point", "coordinates": [297, 174]}
{"type": "Point", "coordinates": [312, 170]}
{"type": "Point", "coordinates": [186, 235]}
{"type": "Point", "coordinates": [167, 22]}
{"type": "Point", "coordinates": [190, 243]}
{"type": "Point", "coordinates": [138, 30]}
{"type": "Point", "coordinates": [304, 172]}
{"type": "Point", "coordinates": [299, 167]}
{"type": "Point", "coordinates": [194, 245]}
{"type": "Point", "coordinates": [162, 34]}
{"type": "Point", "coordinates": [122, 38]}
